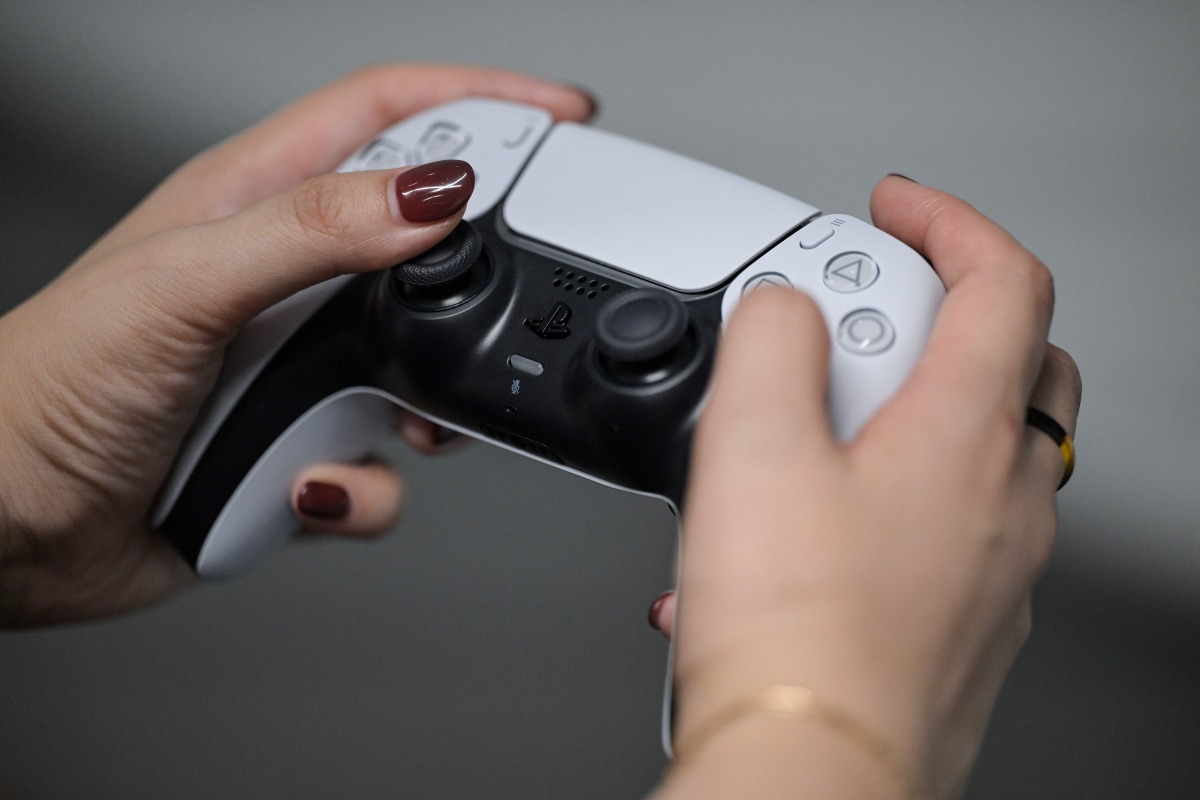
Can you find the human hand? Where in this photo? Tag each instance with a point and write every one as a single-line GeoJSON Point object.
{"type": "Point", "coordinates": [890, 575]}
{"type": "Point", "coordinates": [103, 372]}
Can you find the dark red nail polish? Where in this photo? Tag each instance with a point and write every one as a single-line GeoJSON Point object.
{"type": "Point", "coordinates": [655, 608]}
{"type": "Point", "coordinates": [898, 175]}
{"type": "Point", "coordinates": [323, 500]}
{"type": "Point", "coordinates": [434, 191]}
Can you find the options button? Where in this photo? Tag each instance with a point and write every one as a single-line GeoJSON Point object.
{"type": "Point", "coordinates": [815, 234]}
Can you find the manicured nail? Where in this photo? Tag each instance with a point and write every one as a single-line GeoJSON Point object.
{"type": "Point", "coordinates": [435, 190]}
{"type": "Point", "coordinates": [898, 175]}
{"type": "Point", "coordinates": [323, 501]}
{"type": "Point", "coordinates": [656, 609]}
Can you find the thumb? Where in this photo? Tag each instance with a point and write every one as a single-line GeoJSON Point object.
{"type": "Point", "coordinates": [764, 436]}
{"type": "Point", "coordinates": [216, 276]}
{"type": "Point", "coordinates": [766, 415]}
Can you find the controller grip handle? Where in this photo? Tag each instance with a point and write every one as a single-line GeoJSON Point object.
{"type": "Point", "coordinates": [311, 402]}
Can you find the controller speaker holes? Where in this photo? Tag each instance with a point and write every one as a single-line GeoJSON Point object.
{"type": "Point", "coordinates": [577, 283]}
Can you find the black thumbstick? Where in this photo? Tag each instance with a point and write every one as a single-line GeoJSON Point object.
{"type": "Point", "coordinates": [638, 331]}
{"type": "Point", "coordinates": [443, 262]}
{"type": "Point", "coordinates": [446, 275]}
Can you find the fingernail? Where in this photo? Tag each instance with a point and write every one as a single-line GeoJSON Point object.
{"type": "Point", "coordinates": [656, 608]}
{"type": "Point", "coordinates": [898, 175]}
{"type": "Point", "coordinates": [323, 500]}
{"type": "Point", "coordinates": [434, 191]}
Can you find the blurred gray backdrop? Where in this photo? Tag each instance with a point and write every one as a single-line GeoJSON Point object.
{"type": "Point", "coordinates": [495, 644]}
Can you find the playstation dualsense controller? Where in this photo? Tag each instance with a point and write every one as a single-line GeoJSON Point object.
{"type": "Point", "coordinates": [572, 316]}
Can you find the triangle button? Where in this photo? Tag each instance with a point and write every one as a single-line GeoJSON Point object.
{"type": "Point", "coordinates": [851, 272]}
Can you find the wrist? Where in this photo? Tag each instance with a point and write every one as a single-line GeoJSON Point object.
{"type": "Point", "coordinates": [837, 674]}
{"type": "Point", "coordinates": [762, 756]}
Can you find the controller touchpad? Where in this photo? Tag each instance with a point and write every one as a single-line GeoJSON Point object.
{"type": "Point", "coordinates": [646, 211]}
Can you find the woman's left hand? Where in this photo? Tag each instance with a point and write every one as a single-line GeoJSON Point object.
{"type": "Point", "coordinates": [103, 372]}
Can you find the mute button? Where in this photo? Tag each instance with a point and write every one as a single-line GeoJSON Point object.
{"type": "Point", "coordinates": [526, 365]}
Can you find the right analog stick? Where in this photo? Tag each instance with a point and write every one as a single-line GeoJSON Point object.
{"type": "Point", "coordinates": [639, 331]}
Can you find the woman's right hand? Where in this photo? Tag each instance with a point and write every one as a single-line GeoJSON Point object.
{"type": "Point", "coordinates": [890, 575]}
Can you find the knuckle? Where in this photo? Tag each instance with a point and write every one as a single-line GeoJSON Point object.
{"type": "Point", "coordinates": [946, 218]}
{"type": "Point", "coordinates": [375, 84]}
{"type": "Point", "coordinates": [1033, 274]}
{"type": "Point", "coordinates": [1010, 433]}
{"type": "Point", "coordinates": [1042, 281]}
{"type": "Point", "coordinates": [374, 74]}
{"type": "Point", "coordinates": [319, 209]}
{"type": "Point", "coordinates": [1066, 371]}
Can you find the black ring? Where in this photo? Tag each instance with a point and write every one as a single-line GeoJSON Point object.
{"type": "Point", "coordinates": [1049, 426]}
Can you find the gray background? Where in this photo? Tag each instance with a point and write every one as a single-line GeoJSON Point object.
{"type": "Point", "coordinates": [495, 644]}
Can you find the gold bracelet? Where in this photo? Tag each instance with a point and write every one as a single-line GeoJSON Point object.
{"type": "Point", "coordinates": [798, 703]}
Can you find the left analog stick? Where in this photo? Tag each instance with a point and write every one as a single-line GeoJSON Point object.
{"type": "Point", "coordinates": [445, 261]}
{"type": "Point", "coordinates": [446, 275]}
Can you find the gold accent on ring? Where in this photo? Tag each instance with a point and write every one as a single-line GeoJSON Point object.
{"type": "Point", "coordinates": [1049, 426]}
{"type": "Point", "coordinates": [1068, 453]}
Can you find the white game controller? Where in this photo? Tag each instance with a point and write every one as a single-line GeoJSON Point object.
{"type": "Point", "coordinates": [573, 317]}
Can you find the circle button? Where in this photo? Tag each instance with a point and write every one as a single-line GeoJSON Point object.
{"type": "Point", "coordinates": [851, 272]}
{"type": "Point", "coordinates": [866, 332]}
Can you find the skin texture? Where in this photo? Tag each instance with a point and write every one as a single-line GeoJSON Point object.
{"type": "Point", "coordinates": [105, 369]}
{"type": "Point", "coordinates": [891, 575]}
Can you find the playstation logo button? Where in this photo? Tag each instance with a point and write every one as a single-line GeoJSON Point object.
{"type": "Point", "coordinates": [552, 325]}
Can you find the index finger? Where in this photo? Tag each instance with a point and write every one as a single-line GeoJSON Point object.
{"type": "Point", "coordinates": [316, 133]}
{"type": "Point", "coordinates": [989, 337]}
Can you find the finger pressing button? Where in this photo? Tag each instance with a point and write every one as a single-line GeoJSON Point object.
{"type": "Point", "coordinates": [765, 279]}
